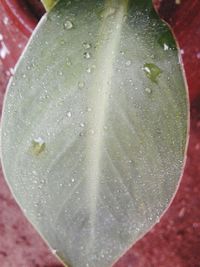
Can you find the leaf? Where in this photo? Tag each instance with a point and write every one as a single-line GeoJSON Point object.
{"type": "Point", "coordinates": [94, 128]}
{"type": "Point", "coordinates": [49, 4]}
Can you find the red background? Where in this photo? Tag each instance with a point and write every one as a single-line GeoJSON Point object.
{"type": "Point", "coordinates": [175, 240]}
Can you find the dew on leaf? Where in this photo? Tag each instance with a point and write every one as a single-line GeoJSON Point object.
{"type": "Point", "coordinates": [87, 55]}
{"type": "Point", "coordinates": [38, 146]}
{"type": "Point", "coordinates": [86, 45]}
{"type": "Point", "coordinates": [81, 84]}
{"type": "Point", "coordinates": [128, 63]}
{"type": "Point", "coordinates": [69, 114]}
{"type": "Point", "coordinates": [68, 25]}
{"type": "Point", "coordinates": [68, 61]}
{"type": "Point", "coordinates": [148, 90]}
{"type": "Point", "coordinates": [91, 132]}
{"type": "Point", "coordinates": [166, 41]}
{"type": "Point", "coordinates": [54, 251]}
{"type": "Point", "coordinates": [89, 109]}
{"type": "Point", "coordinates": [152, 71]}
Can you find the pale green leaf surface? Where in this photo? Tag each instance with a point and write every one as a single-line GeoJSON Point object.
{"type": "Point", "coordinates": [94, 128]}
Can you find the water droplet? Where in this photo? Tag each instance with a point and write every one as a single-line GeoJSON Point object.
{"type": "Point", "coordinates": [68, 25]}
{"type": "Point", "coordinates": [82, 124]}
{"type": "Point", "coordinates": [73, 180]}
{"type": "Point", "coordinates": [166, 41]}
{"type": "Point", "coordinates": [81, 85]}
{"type": "Point", "coordinates": [87, 55]}
{"type": "Point", "coordinates": [89, 70]}
{"type": "Point", "coordinates": [5, 20]}
{"type": "Point", "coordinates": [4, 50]}
{"type": "Point", "coordinates": [54, 251]}
{"type": "Point", "coordinates": [166, 47]}
{"type": "Point", "coordinates": [148, 90]}
{"type": "Point", "coordinates": [86, 45]}
{"type": "Point", "coordinates": [38, 146]}
{"type": "Point", "coordinates": [152, 71]}
{"type": "Point", "coordinates": [92, 132]}
{"type": "Point", "coordinates": [128, 62]}
{"type": "Point", "coordinates": [69, 114]}
{"type": "Point", "coordinates": [198, 55]}
{"type": "Point", "coordinates": [89, 109]}
{"type": "Point", "coordinates": [68, 61]}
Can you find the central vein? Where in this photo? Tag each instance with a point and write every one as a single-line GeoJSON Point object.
{"type": "Point", "coordinates": [110, 33]}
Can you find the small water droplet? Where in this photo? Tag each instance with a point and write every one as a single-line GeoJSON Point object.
{"type": "Point", "coordinates": [86, 45]}
{"type": "Point", "coordinates": [148, 90]}
{"type": "Point", "coordinates": [128, 62]}
{"type": "Point", "coordinates": [81, 85]}
{"type": "Point", "coordinates": [82, 124]}
{"type": "Point", "coordinates": [38, 146]}
{"type": "Point", "coordinates": [89, 70]}
{"type": "Point", "coordinates": [73, 180]}
{"type": "Point", "coordinates": [152, 71]}
{"type": "Point", "coordinates": [68, 61]}
{"type": "Point", "coordinates": [166, 41]}
{"type": "Point", "coordinates": [89, 109]}
{"type": "Point", "coordinates": [87, 55]}
{"type": "Point", "coordinates": [54, 251]}
{"type": "Point", "coordinates": [68, 25]}
{"type": "Point", "coordinates": [69, 114]}
{"type": "Point", "coordinates": [91, 132]}
{"type": "Point", "coordinates": [166, 47]}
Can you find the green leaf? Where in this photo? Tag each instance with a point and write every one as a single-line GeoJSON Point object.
{"type": "Point", "coordinates": [94, 128]}
{"type": "Point", "coordinates": [49, 4]}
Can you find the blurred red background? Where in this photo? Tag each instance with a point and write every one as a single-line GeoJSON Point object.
{"type": "Point", "coordinates": [175, 240]}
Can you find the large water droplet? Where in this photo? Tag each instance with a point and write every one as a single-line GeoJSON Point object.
{"type": "Point", "coordinates": [38, 145]}
{"type": "Point", "coordinates": [152, 71]}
